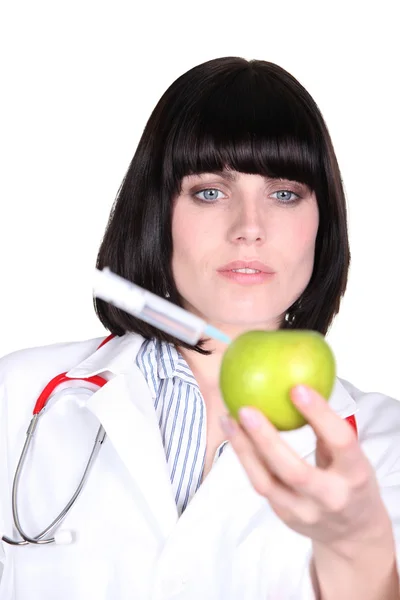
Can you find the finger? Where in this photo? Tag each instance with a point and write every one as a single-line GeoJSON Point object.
{"type": "Point", "coordinates": [276, 454]}
{"type": "Point", "coordinates": [300, 500]}
{"type": "Point", "coordinates": [335, 434]}
{"type": "Point", "coordinates": [308, 482]}
{"type": "Point", "coordinates": [323, 457]}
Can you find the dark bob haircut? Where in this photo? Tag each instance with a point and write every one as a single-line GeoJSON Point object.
{"type": "Point", "coordinates": [228, 113]}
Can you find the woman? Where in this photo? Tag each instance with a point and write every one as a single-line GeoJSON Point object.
{"type": "Point", "coordinates": [232, 207]}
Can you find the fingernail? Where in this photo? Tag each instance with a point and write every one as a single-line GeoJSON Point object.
{"type": "Point", "coordinates": [227, 425]}
{"type": "Point", "coordinates": [302, 394]}
{"type": "Point", "coordinates": [250, 418]}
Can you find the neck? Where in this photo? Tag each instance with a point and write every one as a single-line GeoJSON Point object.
{"type": "Point", "coordinates": [205, 368]}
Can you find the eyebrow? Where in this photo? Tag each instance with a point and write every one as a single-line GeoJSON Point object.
{"type": "Point", "coordinates": [233, 176]}
{"type": "Point", "coordinates": [228, 175]}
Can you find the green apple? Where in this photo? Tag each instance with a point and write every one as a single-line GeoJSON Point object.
{"type": "Point", "coordinates": [259, 368]}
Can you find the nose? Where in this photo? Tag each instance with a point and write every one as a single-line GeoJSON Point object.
{"type": "Point", "coordinates": [248, 223]}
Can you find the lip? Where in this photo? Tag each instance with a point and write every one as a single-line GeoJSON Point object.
{"type": "Point", "coordinates": [265, 274]}
{"type": "Point", "coordinates": [247, 264]}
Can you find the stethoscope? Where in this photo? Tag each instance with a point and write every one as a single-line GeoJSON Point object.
{"type": "Point", "coordinates": [61, 536]}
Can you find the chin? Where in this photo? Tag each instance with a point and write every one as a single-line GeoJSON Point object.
{"type": "Point", "coordinates": [245, 322]}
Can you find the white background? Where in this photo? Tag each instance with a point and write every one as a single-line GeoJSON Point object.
{"type": "Point", "coordinates": [78, 82]}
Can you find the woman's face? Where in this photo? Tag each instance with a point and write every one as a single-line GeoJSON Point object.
{"type": "Point", "coordinates": [222, 218]}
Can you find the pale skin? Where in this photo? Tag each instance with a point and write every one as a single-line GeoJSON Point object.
{"type": "Point", "coordinates": [218, 218]}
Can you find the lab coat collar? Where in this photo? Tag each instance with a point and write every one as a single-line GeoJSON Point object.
{"type": "Point", "coordinates": [116, 356]}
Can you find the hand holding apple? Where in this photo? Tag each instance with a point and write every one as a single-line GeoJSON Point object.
{"type": "Point", "coordinates": [334, 502]}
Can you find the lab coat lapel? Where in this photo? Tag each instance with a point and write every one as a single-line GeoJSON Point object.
{"type": "Point", "coordinates": [125, 408]}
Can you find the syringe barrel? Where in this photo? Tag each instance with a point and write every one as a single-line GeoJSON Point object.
{"type": "Point", "coordinates": [148, 307]}
{"type": "Point", "coordinates": [118, 291]}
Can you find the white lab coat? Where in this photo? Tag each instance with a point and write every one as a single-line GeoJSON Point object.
{"type": "Point", "coordinates": [130, 544]}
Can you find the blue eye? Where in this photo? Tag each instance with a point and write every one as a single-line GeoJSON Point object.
{"type": "Point", "coordinates": [283, 196]}
{"type": "Point", "coordinates": [211, 195]}
{"type": "Point", "coordinates": [208, 195]}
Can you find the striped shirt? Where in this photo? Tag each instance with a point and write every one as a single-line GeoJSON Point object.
{"type": "Point", "coordinates": [181, 413]}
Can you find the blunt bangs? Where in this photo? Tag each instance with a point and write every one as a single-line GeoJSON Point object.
{"type": "Point", "coordinates": [249, 124]}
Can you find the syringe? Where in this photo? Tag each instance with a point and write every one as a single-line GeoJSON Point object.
{"type": "Point", "coordinates": [153, 309]}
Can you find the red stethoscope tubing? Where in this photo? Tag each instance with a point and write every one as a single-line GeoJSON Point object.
{"type": "Point", "coordinates": [100, 381]}
{"type": "Point", "coordinates": [62, 378]}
